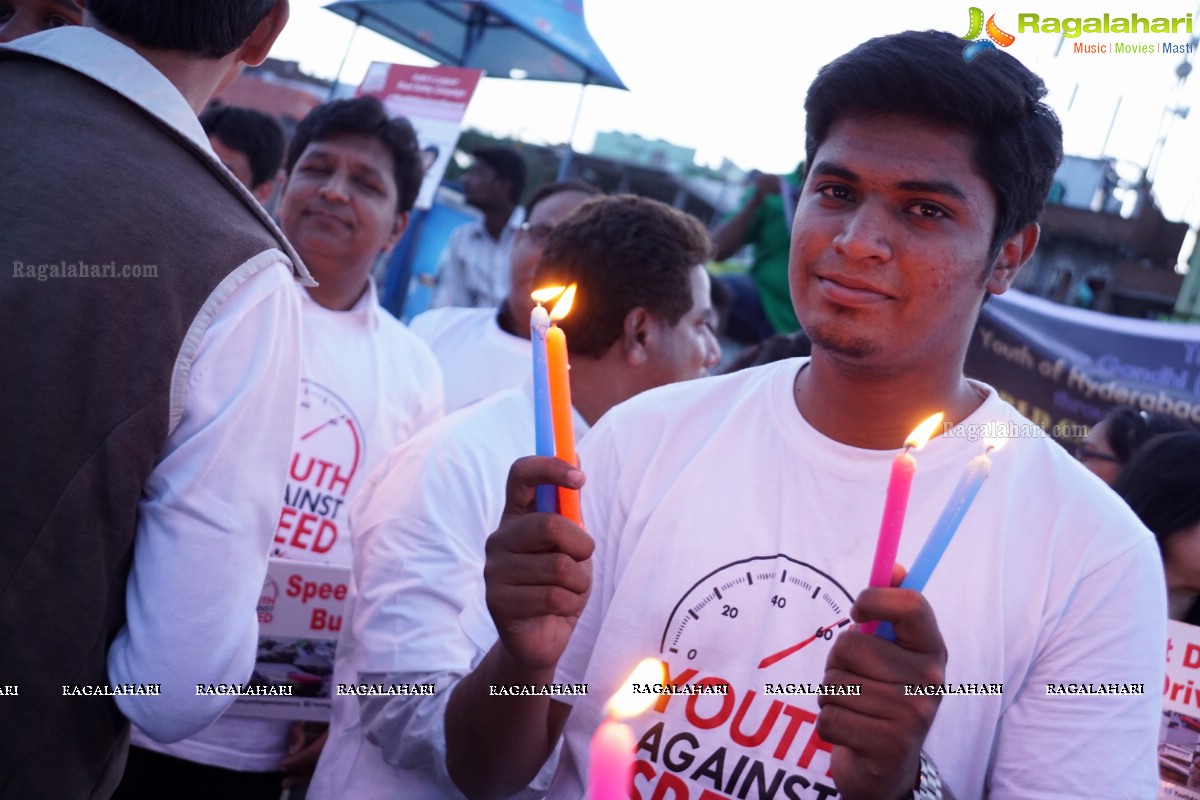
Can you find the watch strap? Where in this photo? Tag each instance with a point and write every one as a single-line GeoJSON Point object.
{"type": "Point", "coordinates": [929, 784]}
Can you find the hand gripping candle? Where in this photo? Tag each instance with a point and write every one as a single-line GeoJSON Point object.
{"type": "Point", "coordinates": [904, 466]}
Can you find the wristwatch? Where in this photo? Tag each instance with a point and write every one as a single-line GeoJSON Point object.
{"type": "Point", "coordinates": [929, 783]}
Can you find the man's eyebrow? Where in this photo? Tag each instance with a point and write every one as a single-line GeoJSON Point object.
{"type": "Point", "coordinates": [836, 170]}
{"type": "Point", "coordinates": [69, 5]}
{"type": "Point", "coordinates": [358, 167]}
{"type": "Point", "coordinates": [365, 168]}
{"type": "Point", "coordinates": [944, 188]}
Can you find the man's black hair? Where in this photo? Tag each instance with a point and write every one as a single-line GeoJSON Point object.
{"type": "Point", "coordinates": [995, 99]}
{"type": "Point", "coordinates": [624, 252]}
{"type": "Point", "coordinates": [551, 189]}
{"type": "Point", "coordinates": [365, 116]}
{"type": "Point", "coordinates": [508, 165]}
{"type": "Point", "coordinates": [206, 28]}
{"type": "Point", "coordinates": [259, 136]}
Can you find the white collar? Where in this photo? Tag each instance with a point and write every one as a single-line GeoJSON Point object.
{"type": "Point", "coordinates": [119, 67]}
{"type": "Point", "coordinates": [123, 70]}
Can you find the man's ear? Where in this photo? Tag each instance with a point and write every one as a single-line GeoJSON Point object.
{"type": "Point", "coordinates": [635, 335]}
{"type": "Point", "coordinates": [399, 226]}
{"type": "Point", "coordinates": [266, 190]}
{"type": "Point", "coordinates": [256, 47]}
{"type": "Point", "coordinates": [1014, 252]}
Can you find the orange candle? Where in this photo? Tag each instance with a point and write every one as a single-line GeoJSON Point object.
{"type": "Point", "coordinates": [560, 402]}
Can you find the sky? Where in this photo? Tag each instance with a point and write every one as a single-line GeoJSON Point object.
{"type": "Point", "coordinates": [728, 78]}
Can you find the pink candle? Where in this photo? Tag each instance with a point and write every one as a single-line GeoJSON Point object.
{"type": "Point", "coordinates": [610, 761]}
{"type": "Point", "coordinates": [904, 467]}
{"type": "Point", "coordinates": [610, 757]}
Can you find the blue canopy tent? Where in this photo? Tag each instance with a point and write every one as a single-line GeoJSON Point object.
{"type": "Point", "coordinates": [542, 40]}
{"type": "Point", "coordinates": [545, 40]}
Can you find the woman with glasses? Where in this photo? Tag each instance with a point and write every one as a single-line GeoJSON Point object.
{"type": "Point", "coordinates": [1112, 441]}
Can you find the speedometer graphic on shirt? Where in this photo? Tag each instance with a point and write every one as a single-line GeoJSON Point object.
{"type": "Point", "coordinates": [327, 431]}
{"type": "Point", "coordinates": [787, 610]}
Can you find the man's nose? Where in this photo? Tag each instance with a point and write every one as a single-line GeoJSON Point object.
{"type": "Point", "coordinates": [864, 234]}
{"type": "Point", "coordinates": [335, 186]}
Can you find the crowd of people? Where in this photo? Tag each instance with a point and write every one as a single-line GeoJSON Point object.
{"type": "Point", "coordinates": [253, 401]}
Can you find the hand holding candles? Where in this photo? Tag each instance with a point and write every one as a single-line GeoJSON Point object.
{"type": "Point", "coordinates": [947, 524]}
{"type": "Point", "coordinates": [904, 466]}
{"type": "Point", "coordinates": [610, 757]}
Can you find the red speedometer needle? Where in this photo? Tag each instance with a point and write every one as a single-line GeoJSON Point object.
{"type": "Point", "coordinates": [782, 654]}
{"type": "Point", "coordinates": [324, 424]}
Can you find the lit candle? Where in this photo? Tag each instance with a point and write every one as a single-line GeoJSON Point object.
{"type": "Point", "coordinates": [944, 529]}
{"type": "Point", "coordinates": [610, 757]}
{"type": "Point", "coordinates": [539, 324]}
{"type": "Point", "coordinates": [904, 466]}
{"type": "Point", "coordinates": [560, 402]}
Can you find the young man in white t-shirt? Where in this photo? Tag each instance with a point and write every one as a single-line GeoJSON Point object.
{"type": "Point", "coordinates": [368, 384]}
{"type": "Point", "coordinates": [483, 351]}
{"type": "Point", "coordinates": [733, 521]}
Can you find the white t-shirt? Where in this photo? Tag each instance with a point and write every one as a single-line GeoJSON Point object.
{"type": "Point", "coordinates": [728, 530]}
{"type": "Point", "coordinates": [416, 609]}
{"type": "Point", "coordinates": [369, 384]}
{"type": "Point", "coordinates": [477, 357]}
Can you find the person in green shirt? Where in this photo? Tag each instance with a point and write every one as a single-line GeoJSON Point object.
{"type": "Point", "coordinates": [762, 303]}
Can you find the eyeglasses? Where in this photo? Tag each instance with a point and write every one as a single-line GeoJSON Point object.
{"type": "Point", "coordinates": [538, 234]}
{"type": "Point", "coordinates": [1084, 453]}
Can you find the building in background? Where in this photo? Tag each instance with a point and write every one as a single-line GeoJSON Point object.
{"type": "Point", "coordinates": [1105, 244]}
{"type": "Point", "coordinates": [631, 148]}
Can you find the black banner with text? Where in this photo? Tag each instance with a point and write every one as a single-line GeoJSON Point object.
{"type": "Point", "coordinates": [1065, 367]}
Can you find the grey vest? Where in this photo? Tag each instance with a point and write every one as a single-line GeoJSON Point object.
{"type": "Point", "coordinates": [89, 178]}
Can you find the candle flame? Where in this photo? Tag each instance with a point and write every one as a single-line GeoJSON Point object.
{"type": "Point", "coordinates": [563, 306]}
{"type": "Point", "coordinates": [993, 443]}
{"type": "Point", "coordinates": [541, 296]}
{"type": "Point", "coordinates": [917, 439]}
{"type": "Point", "coordinates": [625, 703]}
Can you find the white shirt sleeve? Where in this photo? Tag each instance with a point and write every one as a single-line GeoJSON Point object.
{"type": "Point", "coordinates": [209, 509]}
{"type": "Point", "coordinates": [451, 287]}
{"type": "Point", "coordinates": [1100, 637]}
{"type": "Point", "coordinates": [431, 394]}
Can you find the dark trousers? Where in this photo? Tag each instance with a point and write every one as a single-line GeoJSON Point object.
{"type": "Point", "coordinates": [156, 776]}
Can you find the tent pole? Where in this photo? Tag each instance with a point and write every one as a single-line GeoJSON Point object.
{"type": "Point", "coordinates": [476, 27]}
{"type": "Point", "coordinates": [564, 165]}
{"type": "Point", "coordinates": [338, 77]}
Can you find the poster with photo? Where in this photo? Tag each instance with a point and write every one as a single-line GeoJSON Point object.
{"type": "Point", "coordinates": [434, 99]}
{"type": "Point", "coordinates": [300, 613]}
{"type": "Point", "coordinates": [1179, 735]}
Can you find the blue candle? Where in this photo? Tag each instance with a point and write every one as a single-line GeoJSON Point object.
{"type": "Point", "coordinates": [539, 324]}
{"type": "Point", "coordinates": [943, 531]}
